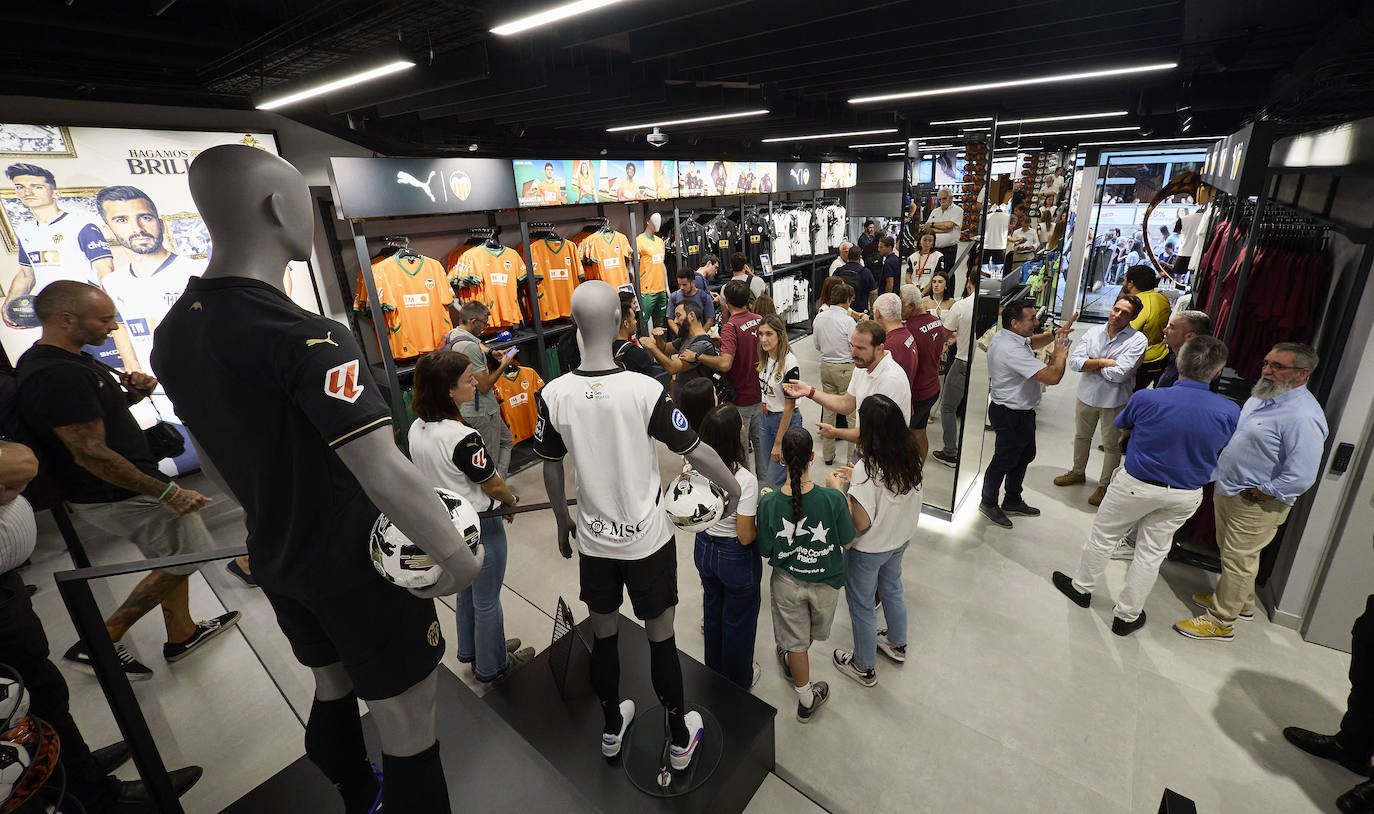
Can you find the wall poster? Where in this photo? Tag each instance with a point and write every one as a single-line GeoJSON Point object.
{"type": "Point", "coordinates": [110, 207]}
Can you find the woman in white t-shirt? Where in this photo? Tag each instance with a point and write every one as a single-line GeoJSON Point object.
{"type": "Point", "coordinates": [925, 262]}
{"type": "Point", "coordinates": [728, 562]}
{"type": "Point", "coordinates": [451, 455]}
{"type": "Point", "coordinates": [885, 502]}
{"type": "Point", "coordinates": [776, 365]}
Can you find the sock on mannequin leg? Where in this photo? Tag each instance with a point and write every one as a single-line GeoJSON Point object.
{"type": "Point", "coordinates": [415, 784]}
{"type": "Point", "coordinates": [666, 673]}
{"type": "Point", "coordinates": [334, 743]}
{"type": "Point", "coordinates": [605, 669]}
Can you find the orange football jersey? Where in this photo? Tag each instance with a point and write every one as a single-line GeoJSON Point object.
{"type": "Point", "coordinates": [415, 298]}
{"type": "Point", "coordinates": [501, 272]}
{"type": "Point", "coordinates": [604, 254]}
{"type": "Point", "coordinates": [517, 386]}
{"type": "Point", "coordinates": [653, 275]}
{"type": "Point", "coordinates": [558, 271]}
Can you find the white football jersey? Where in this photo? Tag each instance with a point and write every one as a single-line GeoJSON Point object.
{"type": "Point", "coordinates": [801, 240]}
{"type": "Point", "coordinates": [142, 301]}
{"type": "Point", "coordinates": [62, 249]}
{"type": "Point", "coordinates": [820, 230]}
{"type": "Point", "coordinates": [782, 238]}
{"type": "Point", "coordinates": [837, 227]}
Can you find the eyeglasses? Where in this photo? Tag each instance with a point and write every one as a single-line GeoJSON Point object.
{"type": "Point", "coordinates": [1278, 368]}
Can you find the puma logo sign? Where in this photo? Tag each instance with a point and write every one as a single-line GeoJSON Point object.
{"type": "Point", "coordinates": [328, 340]}
{"type": "Point", "coordinates": [407, 179]}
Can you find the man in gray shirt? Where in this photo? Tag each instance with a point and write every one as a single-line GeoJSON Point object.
{"type": "Point", "coordinates": [1015, 377]}
{"type": "Point", "coordinates": [691, 286]}
{"type": "Point", "coordinates": [483, 413]}
{"type": "Point", "coordinates": [830, 331]}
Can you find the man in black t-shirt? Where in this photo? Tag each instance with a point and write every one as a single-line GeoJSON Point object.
{"type": "Point", "coordinates": [78, 414]}
{"type": "Point", "coordinates": [626, 352]}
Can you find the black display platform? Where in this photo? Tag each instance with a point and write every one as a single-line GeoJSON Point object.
{"type": "Point", "coordinates": [567, 732]}
{"type": "Point", "coordinates": [489, 768]}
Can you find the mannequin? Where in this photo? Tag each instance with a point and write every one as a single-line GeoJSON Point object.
{"type": "Point", "coordinates": [568, 411]}
{"type": "Point", "coordinates": [653, 274]}
{"type": "Point", "coordinates": [258, 211]}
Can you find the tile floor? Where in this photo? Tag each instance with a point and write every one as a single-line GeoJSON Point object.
{"type": "Point", "coordinates": [1012, 700]}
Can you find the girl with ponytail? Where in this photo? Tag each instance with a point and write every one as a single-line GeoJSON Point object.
{"type": "Point", "coordinates": [803, 530]}
{"type": "Point", "coordinates": [885, 504]}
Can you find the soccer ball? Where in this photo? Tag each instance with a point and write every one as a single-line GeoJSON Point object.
{"type": "Point", "coordinates": [403, 563]}
{"type": "Point", "coordinates": [14, 703]}
{"type": "Point", "coordinates": [14, 761]}
{"type": "Point", "coordinates": [693, 503]}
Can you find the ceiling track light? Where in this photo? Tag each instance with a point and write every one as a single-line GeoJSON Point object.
{"type": "Point", "coordinates": [692, 120]}
{"type": "Point", "coordinates": [1148, 140]}
{"type": "Point", "coordinates": [1015, 83]}
{"type": "Point", "coordinates": [815, 136]}
{"type": "Point", "coordinates": [877, 144]}
{"type": "Point", "coordinates": [962, 121]}
{"type": "Point", "coordinates": [543, 18]}
{"type": "Point", "coordinates": [346, 73]}
{"type": "Point", "coordinates": [1072, 117]}
{"type": "Point", "coordinates": [1071, 132]}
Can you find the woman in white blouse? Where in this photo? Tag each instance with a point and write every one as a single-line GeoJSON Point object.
{"type": "Point", "coordinates": [925, 261]}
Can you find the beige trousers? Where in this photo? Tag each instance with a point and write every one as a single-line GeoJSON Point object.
{"type": "Point", "coordinates": [1087, 420]}
{"type": "Point", "coordinates": [834, 379]}
{"type": "Point", "coordinates": [1244, 528]}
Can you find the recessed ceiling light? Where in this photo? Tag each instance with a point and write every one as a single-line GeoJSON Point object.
{"type": "Point", "coordinates": [815, 136]}
{"type": "Point", "coordinates": [550, 15]}
{"type": "Point", "coordinates": [1014, 83]}
{"type": "Point", "coordinates": [650, 125]}
{"type": "Point", "coordinates": [1070, 132]}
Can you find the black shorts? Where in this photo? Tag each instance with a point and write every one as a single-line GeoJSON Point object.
{"type": "Point", "coordinates": [650, 582]}
{"type": "Point", "coordinates": [387, 638]}
{"type": "Point", "coordinates": [920, 412]}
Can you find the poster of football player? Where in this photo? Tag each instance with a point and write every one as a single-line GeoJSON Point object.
{"type": "Point", "coordinates": [664, 174]}
{"type": "Point", "coordinates": [625, 181]}
{"type": "Point", "coordinates": [110, 207]}
{"type": "Point", "coordinates": [541, 183]}
{"type": "Point", "coordinates": [691, 179]}
{"type": "Point", "coordinates": [838, 174]}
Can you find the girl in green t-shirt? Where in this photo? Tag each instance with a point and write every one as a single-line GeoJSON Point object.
{"type": "Point", "coordinates": [803, 531]}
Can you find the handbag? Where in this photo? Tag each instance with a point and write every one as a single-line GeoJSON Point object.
{"type": "Point", "coordinates": [163, 439]}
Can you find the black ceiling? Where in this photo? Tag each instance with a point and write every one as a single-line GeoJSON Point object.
{"type": "Point", "coordinates": [1303, 64]}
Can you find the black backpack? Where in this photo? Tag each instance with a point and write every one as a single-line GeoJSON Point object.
{"type": "Point", "coordinates": [850, 276]}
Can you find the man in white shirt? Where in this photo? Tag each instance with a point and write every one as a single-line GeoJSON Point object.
{"type": "Point", "coordinates": [875, 371]}
{"type": "Point", "coordinates": [946, 220]}
{"type": "Point", "coordinates": [995, 236]}
{"type": "Point", "coordinates": [1107, 356]}
{"type": "Point", "coordinates": [958, 321]}
{"type": "Point", "coordinates": [1016, 379]}
{"type": "Point", "coordinates": [840, 258]}
{"type": "Point", "coordinates": [830, 330]}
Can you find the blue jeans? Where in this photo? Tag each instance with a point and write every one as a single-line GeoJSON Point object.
{"type": "Point", "coordinates": [773, 474]}
{"type": "Point", "coordinates": [866, 574]}
{"type": "Point", "coordinates": [730, 577]}
{"type": "Point", "coordinates": [481, 626]}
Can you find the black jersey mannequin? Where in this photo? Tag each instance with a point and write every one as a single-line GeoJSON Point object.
{"type": "Point", "coordinates": [596, 312]}
{"type": "Point", "coordinates": [258, 211]}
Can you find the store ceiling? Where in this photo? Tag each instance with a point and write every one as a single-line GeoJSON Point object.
{"type": "Point", "coordinates": [1304, 65]}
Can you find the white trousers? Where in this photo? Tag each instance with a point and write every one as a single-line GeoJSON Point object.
{"type": "Point", "coordinates": [1155, 512]}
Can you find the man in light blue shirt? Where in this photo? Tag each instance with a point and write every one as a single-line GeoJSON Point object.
{"type": "Point", "coordinates": [1107, 356]}
{"type": "Point", "coordinates": [1272, 459]}
{"type": "Point", "coordinates": [1015, 379]}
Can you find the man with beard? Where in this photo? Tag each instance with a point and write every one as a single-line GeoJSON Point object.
{"type": "Point", "coordinates": [1270, 461]}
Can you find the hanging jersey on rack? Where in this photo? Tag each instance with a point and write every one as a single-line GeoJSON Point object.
{"type": "Point", "coordinates": [820, 230]}
{"type": "Point", "coordinates": [837, 230]}
{"type": "Point", "coordinates": [501, 271]}
{"type": "Point", "coordinates": [782, 237]}
{"type": "Point", "coordinates": [605, 255]}
{"type": "Point", "coordinates": [690, 237]}
{"type": "Point", "coordinates": [415, 301]}
{"type": "Point", "coordinates": [722, 234]}
{"type": "Point", "coordinates": [517, 386]}
{"type": "Point", "coordinates": [801, 234]}
{"type": "Point", "coordinates": [756, 228]}
{"type": "Point", "coordinates": [558, 270]}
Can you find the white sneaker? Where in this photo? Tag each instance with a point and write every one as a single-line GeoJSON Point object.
{"type": "Point", "coordinates": [1123, 551]}
{"type": "Point", "coordinates": [610, 744]}
{"type": "Point", "coordinates": [681, 756]}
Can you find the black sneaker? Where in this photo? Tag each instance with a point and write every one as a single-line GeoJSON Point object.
{"type": "Point", "coordinates": [995, 514]}
{"type": "Point", "coordinates": [205, 631]}
{"type": "Point", "coordinates": [1020, 508]}
{"type": "Point", "coordinates": [820, 693]}
{"type": "Point", "coordinates": [1064, 583]}
{"type": "Point", "coordinates": [134, 669]}
{"type": "Point", "coordinates": [786, 668]}
{"type": "Point", "coordinates": [950, 461]}
{"type": "Point", "coordinates": [1123, 628]}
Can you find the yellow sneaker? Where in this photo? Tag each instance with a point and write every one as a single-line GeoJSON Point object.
{"type": "Point", "coordinates": [1200, 627]}
{"type": "Point", "coordinates": [1204, 601]}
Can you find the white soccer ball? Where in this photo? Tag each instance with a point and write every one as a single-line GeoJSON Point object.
{"type": "Point", "coordinates": [693, 503]}
{"type": "Point", "coordinates": [402, 562]}
{"type": "Point", "coordinates": [14, 761]}
{"type": "Point", "coordinates": [14, 703]}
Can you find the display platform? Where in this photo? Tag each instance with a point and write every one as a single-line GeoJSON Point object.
{"type": "Point", "coordinates": [567, 730]}
{"type": "Point", "coordinates": [489, 767]}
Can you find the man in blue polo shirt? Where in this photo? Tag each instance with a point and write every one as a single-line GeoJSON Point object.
{"type": "Point", "coordinates": [1167, 463]}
